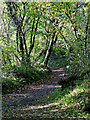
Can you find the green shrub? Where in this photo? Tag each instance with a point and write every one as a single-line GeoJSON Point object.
{"type": "Point", "coordinates": [79, 66]}
{"type": "Point", "coordinates": [29, 74]}
{"type": "Point", "coordinates": [23, 75]}
{"type": "Point", "coordinates": [9, 85]}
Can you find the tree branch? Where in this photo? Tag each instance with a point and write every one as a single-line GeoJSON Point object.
{"type": "Point", "coordinates": [32, 44]}
{"type": "Point", "coordinates": [75, 30]}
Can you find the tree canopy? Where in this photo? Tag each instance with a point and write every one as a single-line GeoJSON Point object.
{"type": "Point", "coordinates": [32, 32]}
{"type": "Point", "coordinates": [39, 36]}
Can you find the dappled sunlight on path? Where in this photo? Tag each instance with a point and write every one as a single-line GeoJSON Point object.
{"type": "Point", "coordinates": [45, 86]}
{"type": "Point", "coordinates": [33, 100]}
{"type": "Point", "coordinates": [38, 107]}
{"type": "Point", "coordinates": [35, 96]}
{"type": "Point", "coordinates": [58, 70]}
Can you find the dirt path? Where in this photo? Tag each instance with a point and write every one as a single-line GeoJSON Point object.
{"type": "Point", "coordinates": [33, 95]}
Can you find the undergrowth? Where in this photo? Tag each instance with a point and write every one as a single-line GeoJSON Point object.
{"type": "Point", "coordinates": [71, 104]}
{"type": "Point", "coordinates": [22, 76]}
{"type": "Point", "coordinates": [74, 103]}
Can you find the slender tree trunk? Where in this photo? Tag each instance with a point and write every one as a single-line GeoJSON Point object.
{"type": "Point", "coordinates": [21, 46]}
{"type": "Point", "coordinates": [87, 45]}
{"type": "Point", "coordinates": [48, 53]}
{"type": "Point", "coordinates": [50, 48]}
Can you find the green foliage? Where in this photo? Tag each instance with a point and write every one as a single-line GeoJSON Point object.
{"type": "Point", "coordinates": [74, 103]}
{"type": "Point", "coordinates": [28, 29]}
{"type": "Point", "coordinates": [22, 75]}
{"type": "Point", "coordinates": [58, 58]}
{"type": "Point", "coordinates": [63, 21]}
{"type": "Point", "coordinates": [79, 66]}
{"type": "Point", "coordinates": [9, 85]}
{"type": "Point", "coordinates": [29, 74]}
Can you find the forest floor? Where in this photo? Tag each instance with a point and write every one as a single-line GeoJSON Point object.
{"type": "Point", "coordinates": [32, 94]}
{"type": "Point", "coordinates": [31, 103]}
{"type": "Point", "coordinates": [33, 97]}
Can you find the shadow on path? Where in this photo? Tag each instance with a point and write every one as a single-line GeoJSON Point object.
{"type": "Point", "coordinates": [34, 94]}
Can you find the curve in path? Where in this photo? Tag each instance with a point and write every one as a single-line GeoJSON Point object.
{"type": "Point", "coordinates": [34, 94]}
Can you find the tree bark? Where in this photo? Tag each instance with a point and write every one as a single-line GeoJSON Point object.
{"type": "Point", "coordinates": [50, 48]}
{"type": "Point", "coordinates": [87, 37]}
{"type": "Point", "coordinates": [48, 53]}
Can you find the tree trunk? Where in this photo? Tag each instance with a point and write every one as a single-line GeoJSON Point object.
{"type": "Point", "coordinates": [48, 53]}
{"type": "Point", "coordinates": [50, 48]}
{"type": "Point", "coordinates": [88, 32]}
